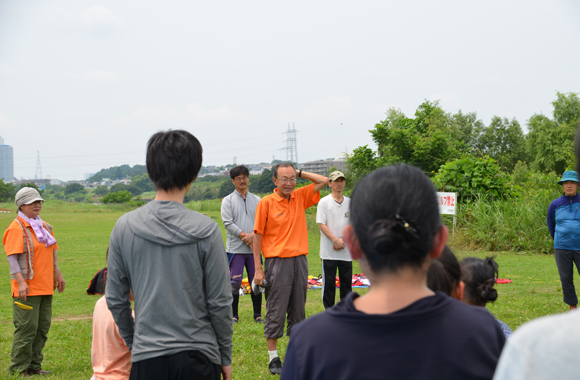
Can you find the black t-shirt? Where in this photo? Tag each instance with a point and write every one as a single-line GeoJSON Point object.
{"type": "Point", "coordinates": [434, 338]}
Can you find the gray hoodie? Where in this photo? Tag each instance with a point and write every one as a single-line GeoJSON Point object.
{"type": "Point", "coordinates": [173, 259]}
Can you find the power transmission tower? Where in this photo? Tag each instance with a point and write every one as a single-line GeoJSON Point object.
{"type": "Point", "coordinates": [38, 174]}
{"type": "Point", "coordinates": [291, 144]}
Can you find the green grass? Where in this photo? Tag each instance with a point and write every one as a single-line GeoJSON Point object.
{"type": "Point", "coordinates": [83, 233]}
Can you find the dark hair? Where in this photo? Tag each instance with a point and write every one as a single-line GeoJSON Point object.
{"type": "Point", "coordinates": [444, 273]}
{"type": "Point", "coordinates": [173, 159]}
{"type": "Point", "coordinates": [282, 165]}
{"type": "Point", "coordinates": [479, 277]}
{"type": "Point", "coordinates": [395, 215]}
{"type": "Point", "coordinates": [237, 170]}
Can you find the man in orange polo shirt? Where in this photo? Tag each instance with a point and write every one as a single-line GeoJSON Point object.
{"type": "Point", "coordinates": [280, 234]}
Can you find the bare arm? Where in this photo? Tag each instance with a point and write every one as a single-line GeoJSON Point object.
{"type": "Point", "coordinates": [319, 180]}
{"type": "Point", "coordinates": [338, 243]}
{"type": "Point", "coordinates": [259, 275]}
{"type": "Point", "coordinates": [58, 279]}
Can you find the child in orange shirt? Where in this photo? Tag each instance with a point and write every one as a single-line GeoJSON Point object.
{"type": "Point", "coordinates": [110, 356]}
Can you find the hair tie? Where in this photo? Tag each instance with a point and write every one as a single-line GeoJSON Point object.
{"type": "Point", "coordinates": [406, 228]}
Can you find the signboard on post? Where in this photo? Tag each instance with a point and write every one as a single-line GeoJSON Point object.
{"type": "Point", "coordinates": [447, 204]}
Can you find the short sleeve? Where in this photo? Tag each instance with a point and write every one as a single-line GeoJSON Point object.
{"type": "Point", "coordinates": [321, 212]}
{"type": "Point", "coordinates": [261, 216]}
{"type": "Point", "coordinates": [13, 240]}
{"type": "Point", "coordinates": [310, 198]}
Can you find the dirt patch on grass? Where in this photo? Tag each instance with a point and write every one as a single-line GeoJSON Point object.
{"type": "Point", "coordinates": [73, 318]}
{"type": "Point", "coordinates": [2, 209]}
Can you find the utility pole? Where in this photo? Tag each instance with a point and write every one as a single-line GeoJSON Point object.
{"type": "Point", "coordinates": [38, 174]}
{"type": "Point", "coordinates": [291, 144]}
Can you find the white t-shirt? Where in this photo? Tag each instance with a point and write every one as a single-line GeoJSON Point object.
{"type": "Point", "coordinates": [336, 216]}
{"type": "Point", "coordinates": [543, 349]}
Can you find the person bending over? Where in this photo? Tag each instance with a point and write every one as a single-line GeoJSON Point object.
{"type": "Point", "coordinates": [110, 356]}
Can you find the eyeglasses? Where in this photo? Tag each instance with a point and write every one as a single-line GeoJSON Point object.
{"type": "Point", "coordinates": [287, 180]}
{"type": "Point", "coordinates": [239, 179]}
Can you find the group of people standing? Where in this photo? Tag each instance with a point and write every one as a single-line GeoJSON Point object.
{"type": "Point", "coordinates": [171, 261]}
{"type": "Point", "coordinates": [275, 227]}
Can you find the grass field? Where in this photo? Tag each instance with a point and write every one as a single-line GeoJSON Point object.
{"type": "Point", "coordinates": [83, 235]}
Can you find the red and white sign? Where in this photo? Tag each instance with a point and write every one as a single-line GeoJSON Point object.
{"type": "Point", "coordinates": [447, 203]}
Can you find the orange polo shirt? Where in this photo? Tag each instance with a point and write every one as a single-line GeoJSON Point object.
{"type": "Point", "coordinates": [282, 224]}
{"type": "Point", "coordinates": [42, 284]}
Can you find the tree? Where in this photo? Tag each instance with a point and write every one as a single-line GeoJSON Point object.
{"type": "Point", "coordinates": [467, 129]}
{"type": "Point", "coordinates": [130, 188]}
{"type": "Point", "coordinates": [426, 141]}
{"type": "Point", "coordinates": [118, 172]}
{"type": "Point", "coordinates": [7, 191]}
{"type": "Point", "coordinates": [262, 184]}
{"type": "Point", "coordinates": [74, 188]}
{"type": "Point", "coordinates": [101, 190]}
{"type": "Point", "coordinates": [550, 143]}
{"type": "Point", "coordinates": [118, 197]}
{"type": "Point", "coordinates": [503, 140]}
{"type": "Point", "coordinates": [142, 181]}
{"type": "Point", "coordinates": [226, 188]}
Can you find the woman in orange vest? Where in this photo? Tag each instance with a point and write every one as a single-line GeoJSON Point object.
{"type": "Point", "coordinates": [32, 253]}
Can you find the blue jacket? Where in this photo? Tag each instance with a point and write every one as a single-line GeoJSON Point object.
{"type": "Point", "coordinates": [564, 222]}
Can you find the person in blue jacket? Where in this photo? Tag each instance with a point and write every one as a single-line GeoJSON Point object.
{"type": "Point", "coordinates": [564, 225]}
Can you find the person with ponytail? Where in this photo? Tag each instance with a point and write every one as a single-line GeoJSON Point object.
{"type": "Point", "coordinates": [399, 328]}
{"type": "Point", "coordinates": [479, 277]}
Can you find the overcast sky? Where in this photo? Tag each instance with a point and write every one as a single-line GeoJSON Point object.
{"type": "Point", "coordinates": [86, 83]}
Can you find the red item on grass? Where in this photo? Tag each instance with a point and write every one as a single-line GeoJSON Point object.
{"type": "Point", "coordinates": [503, 281]}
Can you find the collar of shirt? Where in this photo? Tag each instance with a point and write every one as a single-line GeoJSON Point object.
{"type": "Point", "coordinates": [280, 198]}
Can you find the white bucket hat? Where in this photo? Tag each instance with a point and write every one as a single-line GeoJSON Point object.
{"type": "Point", "coordinates": [26, 196]}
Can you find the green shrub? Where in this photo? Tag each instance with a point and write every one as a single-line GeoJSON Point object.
{"type": "Point", "coordinates": [118, 197]}
{"type": "Point", "coordinates": [101, 190]}
{"type": "Point", "coordinates": [471, 178]}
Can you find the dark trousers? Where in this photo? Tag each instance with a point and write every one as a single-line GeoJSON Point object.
{"type": "Point", "coordinates": [184, 365]}
{"type": "Point", "coordinates": [285, 294]}
{"type": "Point", "coordinates": [329, 268]}
{"type": "Point", "coordinates": [237, 263]}
{"type": "Point", "coordinates": [30, 332]}
{"type": "Point", "coordinates": [565, 261]}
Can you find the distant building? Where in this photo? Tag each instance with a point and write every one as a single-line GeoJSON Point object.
{"type": "Point", "coordinates": [322, 166]}
{"type": "Point", "coordinates": [6, 162]}
{"type": "Point", "coordinates": [255, 170]}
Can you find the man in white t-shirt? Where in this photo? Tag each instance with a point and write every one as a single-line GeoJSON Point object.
{"type": "Point", "coordinates": [332, 216]}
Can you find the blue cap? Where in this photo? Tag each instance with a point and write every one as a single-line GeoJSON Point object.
{"type": "Point", "coordinates": [569, 175]}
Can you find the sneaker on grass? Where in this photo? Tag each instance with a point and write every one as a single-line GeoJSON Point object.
{"type": "Point", "coordinates": [275, 366]}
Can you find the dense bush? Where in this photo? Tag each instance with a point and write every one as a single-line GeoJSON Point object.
{"type": "Point", "coordinates": [74, 188]}
{"type": "Point", "coordinates": [101, 190]}
{"type": "Point", "coordinates": [134, 190]}
{"type": "Point", "coordinates": [118, 197]}
{"type": "Point", "coordinates": [472, 178]}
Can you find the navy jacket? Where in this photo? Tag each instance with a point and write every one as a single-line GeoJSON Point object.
{"type": "Point", "coordinates": [434, 338]}
{"type": "Point", "coordinates": [564, 222]}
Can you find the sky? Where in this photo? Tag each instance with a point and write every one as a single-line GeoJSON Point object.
{"type": "Point", "coordinates": [84, 84]}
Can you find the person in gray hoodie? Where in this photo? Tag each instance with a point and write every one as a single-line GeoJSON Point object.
{"type": "Point", "coordinates": [173, 259]}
